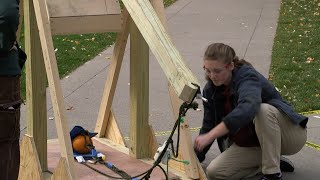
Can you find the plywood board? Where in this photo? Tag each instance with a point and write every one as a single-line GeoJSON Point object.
{"type": "Point", "coordinates": [85, 24]}
{"type": "Point", "coordinates": [29, 162]}
{"type": "Point", "coordinates": [115, 154]}
{"type": "Point", "coordinates": [63, 8]}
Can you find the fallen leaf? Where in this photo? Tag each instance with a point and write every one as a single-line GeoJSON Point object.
{"type": "Point", "coordinates": [309, 60]}
{"type": "Point", "coordinates": [69, 108]}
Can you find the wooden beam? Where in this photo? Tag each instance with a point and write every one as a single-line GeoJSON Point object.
{"type": "Point", "coordinates": [112, 77]}
{"type": "Point", "coordinates": [153, 145]}
{"type": "Point", "coordinates": [158, 6]}
{"type": "Point", "coordinates": [85, 24]}
{"type": "Point", "coordinates": [54, 84]}
{"type": "Point", "coordinates": [80, 17]}
{"type": "Point", "coordinates": [175, 102]}
{"type": "Point", "coordinates": [29, 162]}
{"type": "Point", "coordinates": [35, 85]}
{"type": "Point", "coordinates": [63, 8]}
{"type": "Point", "coordinates": [186, 147]}
{"type": "Point", "coordinates": [61, 172]}
{"type": "Point", "coordinates": [151, 28]}
{"type": "Point", "coordinates": [113, 132]}
{"type": "Point", "coordinates": [139, 94]}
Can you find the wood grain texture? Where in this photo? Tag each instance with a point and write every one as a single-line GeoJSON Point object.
{"type": "Point", "coordinates": [54, 84]}
{"type": "Point", "coordinates": [170, 60]}
{"type": "Point", "coordinates": [139, 94]}
{"type": "Point", "coordinates": [29, 162]}
{"type": "Point", "coordinates": [85, 24]}
{"type": "Point", "coordinates": [61, 171]}
{"type": "Point", "coordinates": [112, 77]}
{"type": "Point", "coordinates": [35, 85]}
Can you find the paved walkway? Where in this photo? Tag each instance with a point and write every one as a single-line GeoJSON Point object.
{"type": "Point", "coordinates": [247, 25]}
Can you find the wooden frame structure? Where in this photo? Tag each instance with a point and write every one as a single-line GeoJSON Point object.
{"type": "Point", "coordinates": [145, 21]}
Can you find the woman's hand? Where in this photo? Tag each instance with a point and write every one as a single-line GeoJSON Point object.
{"type": "Point", "coordinates": [202, 141]}
{"type": "Point", "coordinates": [205, 139]}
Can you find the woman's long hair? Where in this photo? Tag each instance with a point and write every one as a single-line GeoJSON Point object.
{"type": "Point", "coordinates": [225, 53]}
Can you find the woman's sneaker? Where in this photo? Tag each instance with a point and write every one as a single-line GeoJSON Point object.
{"type": "Point", "coordinates": [286, 165]}
{"type": "Point", "coordinates": [276, 176]}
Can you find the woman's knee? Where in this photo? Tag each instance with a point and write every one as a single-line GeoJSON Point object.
{"type": "Point", "coordinates": [214, 172]}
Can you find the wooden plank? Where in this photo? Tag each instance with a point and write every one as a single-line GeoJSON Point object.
{"type": "Point", "coordinates": [35, 85]}
{"type": "Point", "coordinates": [113, 145]}
{"type": "Point", "coordinates": [29, 162]}
{"type": "Point", "coordinates": [181, 174]}
{"type": "Point", "coordinates": [113, 132]}
{"type": "Point", "coordinates": [147, 160]}
{"type": "Point", "coordinates": [113, 6]}
{"type": "Point", "coordinates": [86, 24]}
{"type": "Point", "coordinates": [202, 174]}
{"type": "Point", "coordinates": [186, 145]}
{"type": "Point", "coordinates": [153, 145]}
{"type": "Point", "coordinates": [139, 94]}
{"type": "Point", "coordinates": [61, 171]}
{"type": "Point", "coordinates": [46, 175]}
{"type": "Point", "coordinates": [54, 84]}
{"type": "Point", "coordinates": [147, 21]}
{"type": "Point", "coordinates": [158, 6]}
{"type": "Point", "coordinates": [175, 102]}
{"type": "Point", "coordinates": [112, 78]}
{"type": "Point", "coordinates": [63, 8]}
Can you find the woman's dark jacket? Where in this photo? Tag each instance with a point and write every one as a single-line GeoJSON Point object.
{"type": "Point", "coordinates": [248, 90]}
{"type": "Point", "coordinates": [11, 60]}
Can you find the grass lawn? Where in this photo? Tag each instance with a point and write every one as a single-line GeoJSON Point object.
{"type": "Point", "coordinates": [295, 68]}
{"type": "Point", "coordinates": [73, 51]}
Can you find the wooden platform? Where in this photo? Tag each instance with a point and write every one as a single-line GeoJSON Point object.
{"type": "Point", "coordinates": [115, 154]}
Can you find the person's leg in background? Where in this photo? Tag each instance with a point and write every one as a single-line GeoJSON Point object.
{"type": "Point", "coordinates": [10, 127]}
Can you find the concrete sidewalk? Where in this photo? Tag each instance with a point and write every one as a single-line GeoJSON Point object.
{"type": "Point", "coordinates": [248, 26]}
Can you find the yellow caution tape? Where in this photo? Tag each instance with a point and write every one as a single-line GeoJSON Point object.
{"type": "Point", "coordinates": [311, 112]}
{"type": "Point", "coordinates": [313, 145]}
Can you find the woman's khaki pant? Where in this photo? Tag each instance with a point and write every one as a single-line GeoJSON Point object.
{"type": "Point", "coordinates": [277, 136]}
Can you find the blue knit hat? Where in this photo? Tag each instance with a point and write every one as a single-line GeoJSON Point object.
{"type": "Point", "coordinates": [77, 130]}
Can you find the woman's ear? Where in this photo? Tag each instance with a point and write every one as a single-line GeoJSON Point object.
{"type": "Point", "coordinates": [231, 66]}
